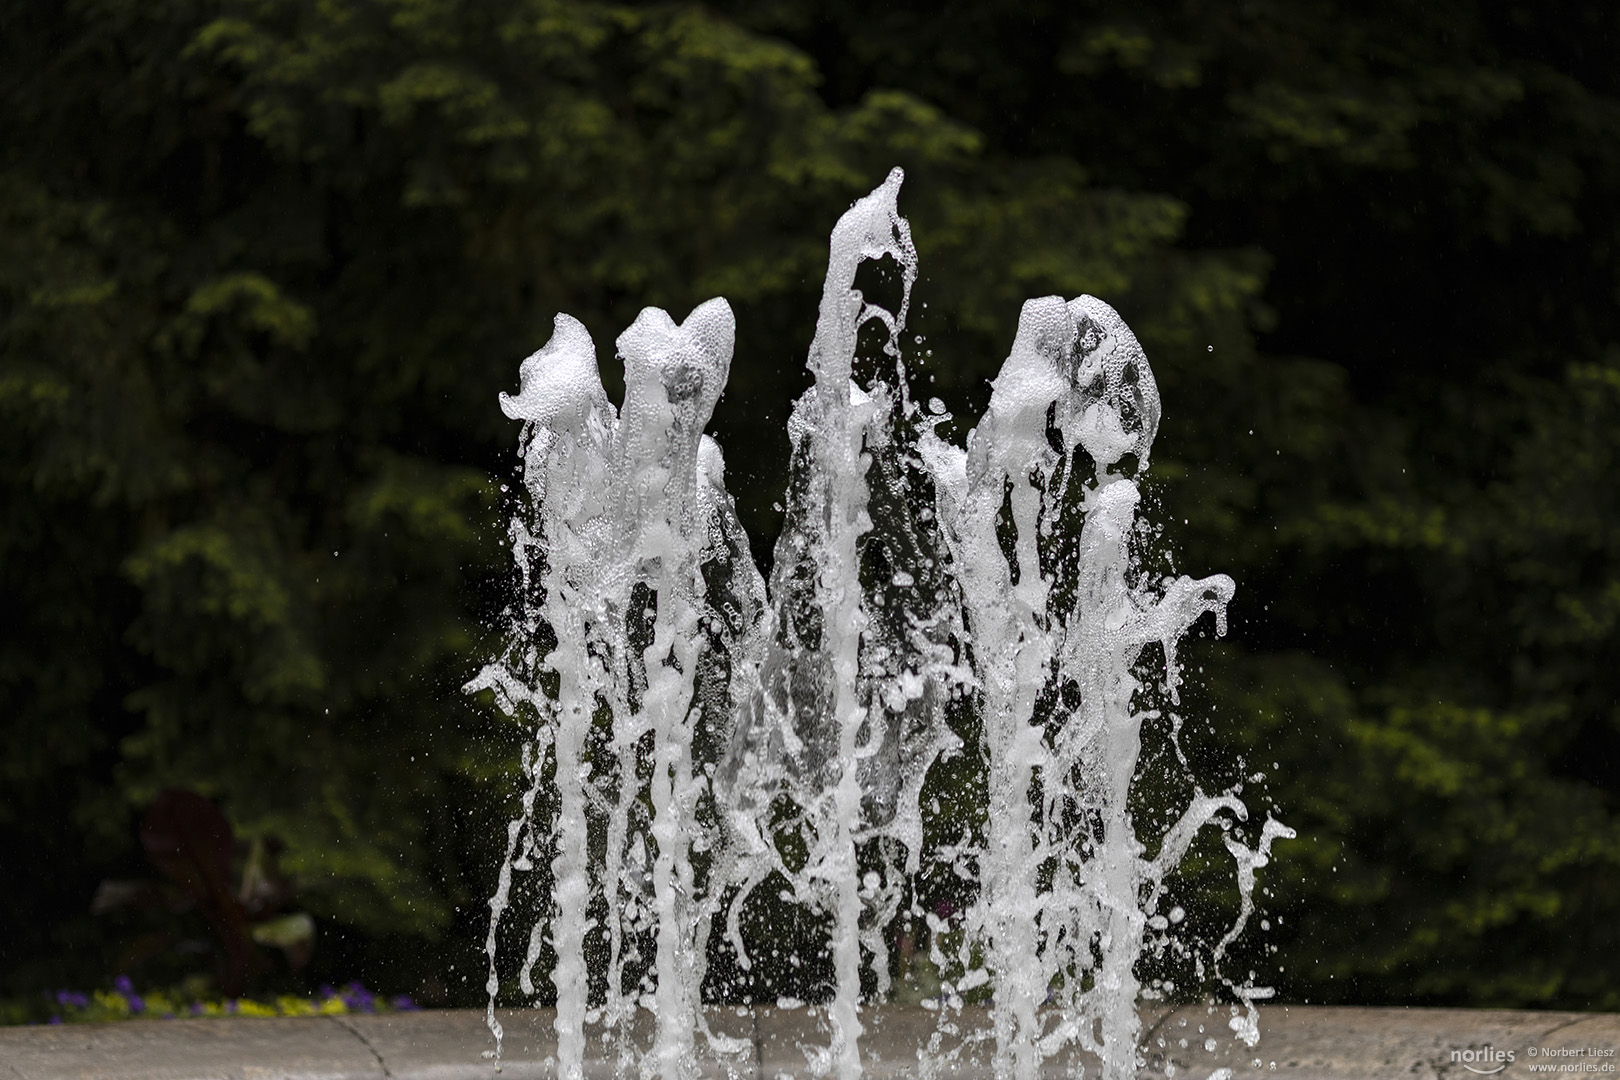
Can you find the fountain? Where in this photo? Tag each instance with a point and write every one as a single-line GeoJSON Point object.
{"type": "Point", "coordinates": [699, 738]}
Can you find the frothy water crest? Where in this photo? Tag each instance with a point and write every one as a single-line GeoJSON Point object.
{"type": "Point", "coordinates": [697, 736]}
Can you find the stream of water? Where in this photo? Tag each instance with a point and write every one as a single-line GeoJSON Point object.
{"type": "Point", "coordinates": [701, 738]}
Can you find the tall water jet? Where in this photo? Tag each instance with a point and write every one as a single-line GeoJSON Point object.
{"type": "Point", "coordinates": [695, 734]}
{"type": "Point", "coordinates": [1040, 510]}
{"type": "Point", "coordinates": [628, 525]}
{"type": "Point", "coordinates": [860, 660]}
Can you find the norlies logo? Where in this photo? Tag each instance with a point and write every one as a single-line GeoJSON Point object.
{"type": "Point", "coordinates": [1485, 1062]}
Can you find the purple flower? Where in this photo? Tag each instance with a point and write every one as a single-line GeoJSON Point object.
{"type": "Point", "coordinates": [358, 998]}
{"type": "Point", "coordinates": [55, 1019]}
{"type": "Point", "coordinates": [73, 998]}
{"type": "Point", "coordinates": [127, 988]}
{"type": "Point", "coordinates": [326, 992]}
{"type": "Point", "coordinates": [403, 1003]}
{"type": "Point", "coordinates": [197, 1008]}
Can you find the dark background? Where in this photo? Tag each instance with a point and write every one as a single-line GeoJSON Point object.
{"type": "Point", "coordinates": [265, 264]}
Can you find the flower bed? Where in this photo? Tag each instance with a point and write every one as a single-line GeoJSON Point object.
{"type": "Point", "coordinates": [123, 1002]}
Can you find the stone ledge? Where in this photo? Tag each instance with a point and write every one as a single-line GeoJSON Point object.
{"type": "Point", "coordinates": [1297, 1043]}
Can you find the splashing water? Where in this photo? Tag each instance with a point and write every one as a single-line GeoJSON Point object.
{"type": "Point", "coordinates": [695, 735]}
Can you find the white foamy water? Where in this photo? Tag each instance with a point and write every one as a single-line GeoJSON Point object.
{"type": "Point", "coordinates": [685, 717]}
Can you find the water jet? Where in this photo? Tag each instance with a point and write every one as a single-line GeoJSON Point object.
{"type": "Point", "coordinates": [700, 737]}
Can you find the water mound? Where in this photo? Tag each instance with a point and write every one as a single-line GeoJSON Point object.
{"type": "Point", "coordinates": [701, 738]}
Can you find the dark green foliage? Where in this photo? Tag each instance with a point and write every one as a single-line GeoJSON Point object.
{"type": "Point", "coordinates": [265, 263]}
